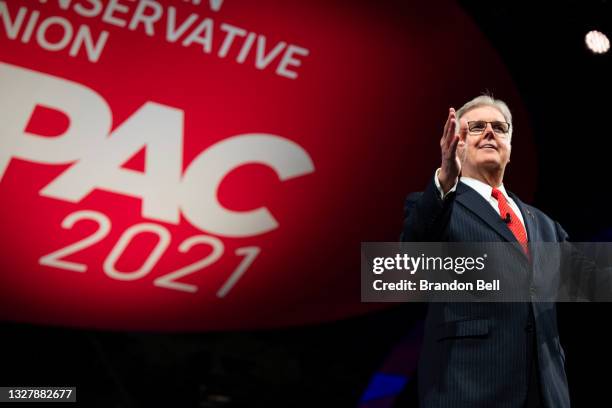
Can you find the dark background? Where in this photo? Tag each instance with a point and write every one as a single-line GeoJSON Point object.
{"type": "Point", "coordinates": [566, 91]}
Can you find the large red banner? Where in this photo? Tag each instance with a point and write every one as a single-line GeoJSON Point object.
{"type": "Point", "coordinates": [206, 165]}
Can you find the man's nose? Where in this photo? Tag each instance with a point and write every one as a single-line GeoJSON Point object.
{"type": "Point", "coordinates": [488, 132]}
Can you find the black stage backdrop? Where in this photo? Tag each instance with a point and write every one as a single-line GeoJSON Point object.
{"type": "Point", "coordinates": [566, 90]}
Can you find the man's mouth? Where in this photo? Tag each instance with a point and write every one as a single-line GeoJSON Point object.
{"type": "Point", "coordinates": [488, 146]}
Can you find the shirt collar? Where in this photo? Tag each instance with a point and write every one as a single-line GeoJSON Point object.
{"type": "Point", "coordinates": [482, 188]}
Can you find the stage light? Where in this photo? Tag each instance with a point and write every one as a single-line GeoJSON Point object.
{"type": "Point", "coordinates": [597, 42]}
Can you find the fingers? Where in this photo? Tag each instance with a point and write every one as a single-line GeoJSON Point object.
{"type": "Point", "coordinates": [449, 127]}
{"type": "Point", "coordinates": [453, 145]}
{"type": "Point", "coordinates": [447, 124]}
{"type": "Point", "coordinates": [452, 129]}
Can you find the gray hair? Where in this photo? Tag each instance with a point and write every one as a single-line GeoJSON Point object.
{"type": "Point", "coordinates": [487, 100]}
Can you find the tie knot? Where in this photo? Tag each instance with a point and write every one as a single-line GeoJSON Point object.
{"type": "Point", "coordinates": [496, 194]}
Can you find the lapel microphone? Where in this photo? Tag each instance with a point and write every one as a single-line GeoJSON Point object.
{"type": "Point", "coordinates": [507, 219]}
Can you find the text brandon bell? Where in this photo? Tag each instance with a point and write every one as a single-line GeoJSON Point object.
{"type": "Point", "coordinates": [425, 285]}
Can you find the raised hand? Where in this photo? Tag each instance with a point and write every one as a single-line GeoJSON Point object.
{"type": "Point", "coordinates": [450, 167]}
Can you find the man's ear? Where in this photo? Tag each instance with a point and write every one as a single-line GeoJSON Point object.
{"type": "Point", "coordinates": [461, 150]}
{"type": "Point", "coordinates": [462, 130]}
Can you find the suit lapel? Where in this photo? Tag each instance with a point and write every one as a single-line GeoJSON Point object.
{"type": "Point", "coordinates": [474, 202]}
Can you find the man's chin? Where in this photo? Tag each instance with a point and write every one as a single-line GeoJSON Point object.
{"type": "Point", "coordinates": [490, 164]}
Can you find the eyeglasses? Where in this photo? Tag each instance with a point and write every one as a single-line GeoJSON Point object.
{"type": "Point", "coordinates": [477, 127]}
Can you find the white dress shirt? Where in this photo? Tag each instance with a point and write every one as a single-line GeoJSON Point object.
{"type": "Point", "coordinates": [485, 191]}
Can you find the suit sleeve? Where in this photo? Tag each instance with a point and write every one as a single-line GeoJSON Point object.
{"type": "Point", "coordinates": [427, 215]}
{"type": "Point", "coordinates": [583, 272]}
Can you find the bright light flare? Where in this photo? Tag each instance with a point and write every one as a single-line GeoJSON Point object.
{"type": "Point", "coordinates": [597, 42]}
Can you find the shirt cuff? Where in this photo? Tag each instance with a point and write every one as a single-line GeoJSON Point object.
{"type": "Point", "coordinates": [439, 187]}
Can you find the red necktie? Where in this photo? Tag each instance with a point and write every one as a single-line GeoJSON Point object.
{"type": "Point", "coordinates": [512, 220]}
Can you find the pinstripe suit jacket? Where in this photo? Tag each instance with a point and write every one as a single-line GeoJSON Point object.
{"type": "Point", "coordinates": [479, 354]}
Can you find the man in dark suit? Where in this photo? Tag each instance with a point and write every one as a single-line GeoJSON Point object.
{"type": "Point", "coordinates": [485, 354]}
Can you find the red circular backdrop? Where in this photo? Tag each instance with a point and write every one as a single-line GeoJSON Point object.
{"type": "Point", "coordinates": [210, 165]}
